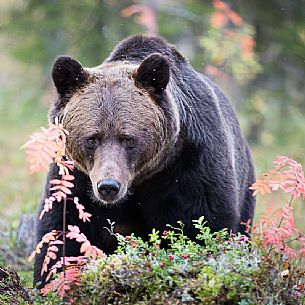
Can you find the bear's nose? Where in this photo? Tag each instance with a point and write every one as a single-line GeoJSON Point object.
{"type": "Point", "coordinates": [108, 189]}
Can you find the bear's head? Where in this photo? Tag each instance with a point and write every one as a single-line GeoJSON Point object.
{"type": "Point", "coordinates": [122, 121]}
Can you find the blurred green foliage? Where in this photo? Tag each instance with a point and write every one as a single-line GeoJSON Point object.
{"type": "Point", "coordinates": [85, 29]}
{"type": "Point", "coordinates": [267, 91]}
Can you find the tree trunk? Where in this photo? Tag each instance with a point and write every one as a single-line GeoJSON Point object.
{"type": "Point", "coordinates": [26, 234]}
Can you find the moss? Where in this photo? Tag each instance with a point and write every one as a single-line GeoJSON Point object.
{"type": "Point", "coordinates": [11, 290]}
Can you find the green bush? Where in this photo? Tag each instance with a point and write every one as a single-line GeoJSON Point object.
{"type": "Point", "coordinates": [227, 269]}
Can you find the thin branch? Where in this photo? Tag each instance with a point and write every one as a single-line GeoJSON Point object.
{"type": "Point", "coordinates": [64, 237]}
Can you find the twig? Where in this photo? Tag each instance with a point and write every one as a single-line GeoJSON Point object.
{"type": "Point", "coordinates": [64, 237]}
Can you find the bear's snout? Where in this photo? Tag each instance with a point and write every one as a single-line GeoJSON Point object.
{"type": "Point", "coordinates": [108, 189]}
{"type": "Point", "coordinates": [110, 175]}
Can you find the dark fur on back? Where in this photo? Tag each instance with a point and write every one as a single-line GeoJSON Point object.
{"type": "Point", "coordinates": [137, 48]}
{"type": "Point", "coordinates": [209, 172]}
{"type": "Point", "coordinates": [205, 142]}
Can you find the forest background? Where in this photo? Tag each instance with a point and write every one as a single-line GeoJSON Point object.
{"type": "Point", "coordinates": [255, 50]}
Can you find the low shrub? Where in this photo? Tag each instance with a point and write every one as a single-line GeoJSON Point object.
{"type": "Point", "coordinates": [227, 269]}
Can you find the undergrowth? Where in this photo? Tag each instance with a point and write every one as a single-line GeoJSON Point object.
{"type": "Point", "coordinates": [227, 269]}
{"type": "Point", "coordinates": [184, 272]}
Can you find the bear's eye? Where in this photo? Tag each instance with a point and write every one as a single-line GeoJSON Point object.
{"type": "Point", "coordinates": [128, 143]}
{"type": "Point", "coordinates": [91, 142]}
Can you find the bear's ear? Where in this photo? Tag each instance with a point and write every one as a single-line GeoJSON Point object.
{"type": "Point", "coordinates": [153, 73]}
{"type": "Point", "coordinates": [68, 74]}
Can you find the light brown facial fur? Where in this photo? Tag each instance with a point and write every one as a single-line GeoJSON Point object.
{"type": "Point", "coordinates": [117, 130]}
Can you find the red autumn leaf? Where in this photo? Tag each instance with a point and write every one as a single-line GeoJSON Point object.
{"type": "Point", "coordinates": [260, 187]}
{"type": "Point", "coordinates": [53, 248]}
{"type": "Point", "coordinates": [220, 5]}
{"type": "Point", "coordinates": [74, 231]}
{"type": "Point", "coordinates": [68, 177]}
{"type": "Point", "coordinates": [290, 253]}
{"type": "Point", "coordinates": [145, 16]}
{"type": "Point", "coordinates": [235, 18]}
{"type": "Point", "coordinates": [84, 216]}
{"type": "Point", "coordinates": [85, 246]}
{"type": "Point", "coordinates": [218, 20]}
{"type": "Point", "coordinates": [48, 204]}
{"type": "Point", "coordinates": [50, 255]}
{"type": "Point", "coordinates": [45, 240]}
{"type": "Point", "coordinates": [45, 147]}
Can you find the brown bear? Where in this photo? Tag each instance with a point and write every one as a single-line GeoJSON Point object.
{"type": "Point", "coordinates": [154, 142]}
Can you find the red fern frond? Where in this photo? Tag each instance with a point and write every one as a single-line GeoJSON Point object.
{"type": "Point", "coordinates": [86, 247]}
{"type": "Point", "coordinates": [58, 284]}
{"type": "Point", "coordinates": [48, 204]}
{"type": "Point", "coordinates": [84, 216]}
{"type": "Point", "coordinates": [288, 176]}
{"type": "Point", "coordinates": [66, 261]}
{"type": "Point", "coordinates": [50, 255]}
{"type": "Point", "coordinates": [47, 238]}
{"type": "Point", "coordinates": [260, 187]}
{"type": "Point", "coordinates": [65, 166]}
{"type": "Point", "coordinates": [62, 187]}
{"type": "Point", "coordinates": [46, 147]}
{"type": "Point", "coordinates": [63, 281]}
{"type": "Point", "coordinates": [277, 229]}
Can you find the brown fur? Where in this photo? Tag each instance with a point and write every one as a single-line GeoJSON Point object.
{"type": "Point", "coordinates": [110, 96]}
